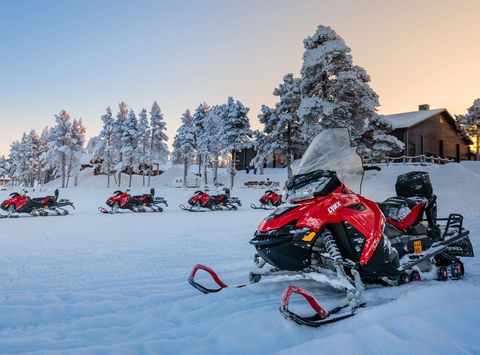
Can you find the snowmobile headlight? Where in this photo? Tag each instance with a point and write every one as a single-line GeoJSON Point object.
{"type": "Point", "coordinates": [308, 191]}
{"type": "Point", "coordinates": [305, 234]}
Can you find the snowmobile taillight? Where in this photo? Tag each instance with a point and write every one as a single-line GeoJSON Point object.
{"type": "Point", "coordinates": [191, 279]}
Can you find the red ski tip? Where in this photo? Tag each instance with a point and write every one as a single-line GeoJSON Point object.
{"type": "Point", "coordinates": [322, 313]}
{"type": "Point", "coordinates": [213, 274]}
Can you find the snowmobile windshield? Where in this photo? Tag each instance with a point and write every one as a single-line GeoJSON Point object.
{"type": "Point", "coordinates": [331, 150]}
{"type": "Point", "coordinates": [306, 186]}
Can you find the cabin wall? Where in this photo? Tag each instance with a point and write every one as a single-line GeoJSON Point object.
{"type": "Point", "coordinates": [434, 137]}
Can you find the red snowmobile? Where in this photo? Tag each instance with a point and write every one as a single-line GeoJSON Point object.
{"type": "Point", "coordinates": [201, 201]}
{"type": "Point", "coordinates": [18, 205]}
{"type": "Point", "coordinates": [329, 233]}
{"type": "Point", "coordinates": [269, 201]}
{"type": "Point", "coordinates": [138, 203]}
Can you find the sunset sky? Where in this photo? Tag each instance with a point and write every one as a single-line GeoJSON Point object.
{"type": "Point", "coordinates": [82, 56]}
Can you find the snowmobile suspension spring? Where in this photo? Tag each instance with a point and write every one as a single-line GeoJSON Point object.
{"type": "Point", "coordinates": [331, 246]}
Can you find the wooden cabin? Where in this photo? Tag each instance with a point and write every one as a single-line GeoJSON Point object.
{"type": "Point", "coordinates": [432, 133]}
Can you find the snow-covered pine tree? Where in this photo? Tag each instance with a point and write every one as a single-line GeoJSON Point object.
{"type": "Point", "coordinates": [22, 161]}
{"type": "Point", "coordinates": [471, 122]}
{"type": "Point", "coordinates": [14, 159]}
{"type": "Point", "coordinates": [3, 169]}
{"type": "Point", "coordinates": [59, 146]}
{"type": "Point", "coordinates": [143, 151]}
{"type": "Point", "coordinates": [76, 149]}
{"type": "Point", "coordinates": [184, 143]}
{"type": "Point", "coordinates": [46, 174]}
{"type": "Point", "coordinates": [282, 126]}
{"type": "Point", "coordinates": [213, 124]}
{"type": "Point", "coordinates": [375, 143]}
{"type": "Point", "coordinates": [202, 138]}
{"type": "Point", "coordinates": [130, 136]}
{"type": "Point", "coordinates": [158, 146]}
{"type": "Point", "coordinates": [118, 128]}
{"type": "Point", "coordinates": [105, 149]}
{"type": "Point", "coordinates": [32, 158]}
{"type": "Point", "coordinates": [235, 132]}
{"type": "Point", "coordinates": [335, 93]}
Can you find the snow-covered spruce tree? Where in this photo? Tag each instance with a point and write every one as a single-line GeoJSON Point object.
{"type": "Point", "coordinates": [59, 146]}
{"type": "Point", "coordinates": [130, 136]}
{"type": "Point", "coordinates": [335, 93]}
{"type": "Point", "coordinates": [202, 138]}
{"type": "Point", "coordinates": [143, 151]}
{"type": "Point", "coordinates": [105, 149]}
{"type": "Point", "coordinates": [184, 143]}
{"type": "Point", "coordinates": [235, 132]}
{"type": "Point", "coordinates": [282, 126]}
{"type": "Point", "coordinates": [470, 122]}
{"type": "Point", "coordinates": [118, 128]}
{"type": "Point", "coordinates": [158, 146]}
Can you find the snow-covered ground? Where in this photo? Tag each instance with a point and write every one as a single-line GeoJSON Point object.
{"type": "Point", "coordinates": [93, 283]}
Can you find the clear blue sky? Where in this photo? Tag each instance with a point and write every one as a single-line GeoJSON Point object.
{"type": "Point", "coordinates": [82, 56]}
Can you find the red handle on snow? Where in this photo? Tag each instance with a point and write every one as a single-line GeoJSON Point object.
{"type": "Point", "coordinates": [212, 273]}
{"type": "Point", "coordinates": [322, 313]}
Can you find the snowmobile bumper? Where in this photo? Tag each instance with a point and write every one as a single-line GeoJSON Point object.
{"type": "Point", "coordinates": [285, 248]}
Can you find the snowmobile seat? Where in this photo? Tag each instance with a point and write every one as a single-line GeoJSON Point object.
{"type": "Point", "coordinates": [412, 218]}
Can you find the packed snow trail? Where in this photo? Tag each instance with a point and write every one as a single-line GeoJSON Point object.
{"type": "Point", "coordinates": [90, 282]}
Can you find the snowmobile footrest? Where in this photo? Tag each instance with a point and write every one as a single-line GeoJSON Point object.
{"type": "Point", "coordinates": [321, 316]}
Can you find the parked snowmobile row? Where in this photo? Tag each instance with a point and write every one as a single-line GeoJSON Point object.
{"type": "Point", "coordinates": [327, 232]}
{"type": "Point", "coordinates": [139, 203]}
{"type": "Point", "coordinates": [19, 205]}
{"type": "Point", "coordinates": [202, 201]}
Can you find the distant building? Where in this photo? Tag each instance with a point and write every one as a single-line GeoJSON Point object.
{"type": "Point", "coordinates": [432, 133]}
{"type": "Point", "coordinates": [4, 180]}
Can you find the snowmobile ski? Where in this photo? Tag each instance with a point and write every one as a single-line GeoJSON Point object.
{"type": "Point", "coordinates": [263, 207]}
{"type": "Point", "coordinates": [321, 316]}
{"type": "Point", "coordinates": [213, 274]}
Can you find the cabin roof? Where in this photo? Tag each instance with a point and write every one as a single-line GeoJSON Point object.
{"type": "Point", "coordinates": [409, 119]}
